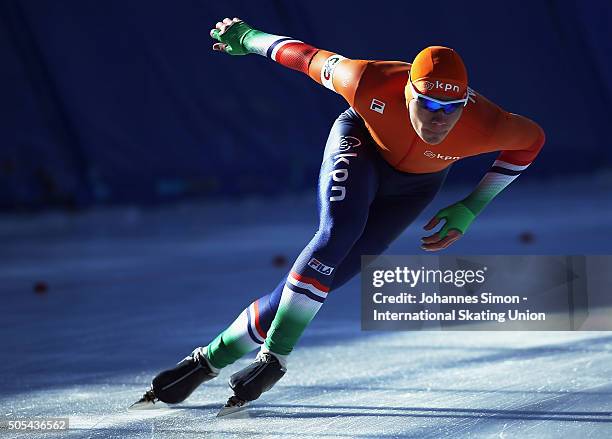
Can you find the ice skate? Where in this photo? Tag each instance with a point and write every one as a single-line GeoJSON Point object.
{"type": "Point", "coordinates": [249, 383]}
{"type": "Point", "coordinates": [175, 385]}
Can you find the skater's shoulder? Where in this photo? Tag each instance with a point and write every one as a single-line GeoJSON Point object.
{"type": "Point", "coordinates": [480, 115]}
{"type": "Point", "coordinates": [385, 75]}
{"type": "Point", "coordinates": [383, 81]}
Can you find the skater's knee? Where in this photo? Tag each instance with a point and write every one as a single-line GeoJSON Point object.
{"type": "Point", "coordinates": [332, 239]}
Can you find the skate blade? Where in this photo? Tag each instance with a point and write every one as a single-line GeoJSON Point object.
{"type": "Point", "coordinates": [232, 410]}
{"type": "Point", "coordinates": [146, 405]}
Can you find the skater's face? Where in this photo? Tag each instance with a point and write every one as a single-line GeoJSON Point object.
{"type": "Point", "coordinates": [432, 126]}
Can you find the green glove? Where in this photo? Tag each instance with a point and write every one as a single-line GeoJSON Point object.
{"type": "Point", "coordinates": [457, 216]}
{"type": "Point", "coordinates": [233, 37]}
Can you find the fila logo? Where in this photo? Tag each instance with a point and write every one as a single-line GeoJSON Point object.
{"type": "Point", "coordinates": [433, 155]}
{"type": "Point", "coordinates": [320, 267]}
{"type": "Point", "coordinates": [378, 106]}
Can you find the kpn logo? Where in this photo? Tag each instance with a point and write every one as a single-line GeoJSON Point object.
{"type": "Point", "coordinates": [433, 155]}
{"type": "Point", "coordinates": [439, 85]}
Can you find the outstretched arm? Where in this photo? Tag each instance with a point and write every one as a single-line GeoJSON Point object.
{"type": "Point", "coordinates": [329, 69]}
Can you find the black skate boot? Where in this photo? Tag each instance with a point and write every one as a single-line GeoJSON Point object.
{"type": "Point", "coordinates": [175, 385]}
{"type": "Point", "coordinates": [249, 383]}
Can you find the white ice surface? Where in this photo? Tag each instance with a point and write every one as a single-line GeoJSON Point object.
{"type": "Point", "coordinates": [132, 291]}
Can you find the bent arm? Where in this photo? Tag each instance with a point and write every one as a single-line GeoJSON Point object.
{"type": "Point", "coordinates": [521, 141]}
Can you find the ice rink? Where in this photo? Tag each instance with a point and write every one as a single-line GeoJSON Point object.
{"type": "Point", "coordinates": [132, 291]}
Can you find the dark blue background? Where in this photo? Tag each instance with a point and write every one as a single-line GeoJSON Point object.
{"type": "Point", "coordinates": [123, 101]}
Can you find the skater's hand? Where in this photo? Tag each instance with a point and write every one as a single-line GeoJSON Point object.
{"type": "Point", "coordinates": [436, 242]}
{"type": "Point", "coordinates": [230, 34]}
{"type": "Point", "coordinates": [457, 220]}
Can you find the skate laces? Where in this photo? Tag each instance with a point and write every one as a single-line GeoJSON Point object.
{"type": "Point", "coordinates": [199, 355]}
{"type": "Point", "coordinates": [264, 357]}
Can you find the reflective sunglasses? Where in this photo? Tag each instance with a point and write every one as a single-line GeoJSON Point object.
{"type": "Point", "coordinates": [433, 105]}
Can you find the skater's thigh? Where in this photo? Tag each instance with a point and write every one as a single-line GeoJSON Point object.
{"type": "Point", "coordinates": [347, 183]}
{"type": "Point", "coordinates": [388, 218]}
{"type": "Point", "coordinates": [348, 179]}
{"type": "Point", "coordinates": [385, 223]}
